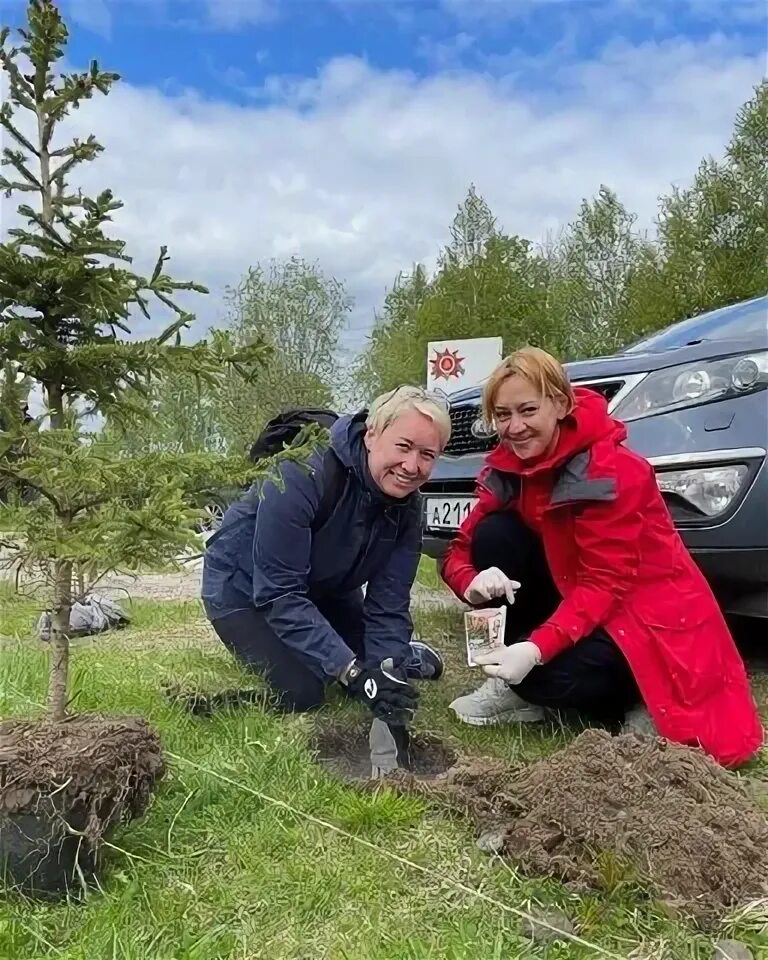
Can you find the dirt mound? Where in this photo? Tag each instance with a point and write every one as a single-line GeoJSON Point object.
{"type": "Point", "coordinates": [107, 765]}
{"type": "Point", "coordinates": [345, 752]}
{"type": "Point", "coordinates": [606, 807]}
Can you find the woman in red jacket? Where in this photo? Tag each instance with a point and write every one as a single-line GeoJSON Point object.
{"type": "Point", "coordinates": [611, 616]}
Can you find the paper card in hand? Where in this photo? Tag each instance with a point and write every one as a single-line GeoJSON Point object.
{"type": "Point", "coordinates": [484, 630]}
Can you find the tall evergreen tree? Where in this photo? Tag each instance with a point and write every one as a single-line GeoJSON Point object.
{"type": "Point", "coordinates": [67, 292]}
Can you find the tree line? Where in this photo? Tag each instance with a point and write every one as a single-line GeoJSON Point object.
{"type": "Point", "coordinates": [601, 283]}
{"type": "Point", "coordinates": [598, 285]}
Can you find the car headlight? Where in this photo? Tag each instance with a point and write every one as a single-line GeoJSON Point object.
{"type": "Point", "coordinates": [694, 384]}
{"type": "Point", "coordinates": [710, 490]}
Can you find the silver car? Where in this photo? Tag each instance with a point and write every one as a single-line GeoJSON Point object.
{"type": "Point", "coordinates": [694, 397]}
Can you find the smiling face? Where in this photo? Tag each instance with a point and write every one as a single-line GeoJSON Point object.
{"type": "Point", "coordinates": [402, 455]}
{"type": "Point", "coordinates": [527, 422]}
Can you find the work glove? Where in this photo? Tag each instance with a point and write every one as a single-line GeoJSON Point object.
{"type": "Point", "coordinates": [512, 664]}
{"type": "Point", "coordinates": [489, 584]}
{"type": "Point", "coordinates": [383, 689]}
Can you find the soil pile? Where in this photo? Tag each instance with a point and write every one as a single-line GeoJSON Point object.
{"type": "Point", "coordinates": [663, 814]}
{"type": "Point", "coordinates": [100, 767]}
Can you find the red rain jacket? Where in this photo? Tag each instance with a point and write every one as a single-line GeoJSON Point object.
{"type": "Point", "coordinates": [619, 564]}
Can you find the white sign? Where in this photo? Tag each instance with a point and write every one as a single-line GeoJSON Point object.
{"type": "Point", "coordinates": [458, 364]}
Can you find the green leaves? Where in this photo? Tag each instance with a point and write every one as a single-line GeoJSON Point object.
{"type": "Point", "coordinates": [105, 510]}
{"type": "Point", "coordinates": [281, 348]}
{"type": "Point", "coordinates": [45, 40]}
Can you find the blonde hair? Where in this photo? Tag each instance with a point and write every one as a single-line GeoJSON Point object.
{"type": "Point", "coordinates": [387, 407]}
{"type": "Point", "coordinates": [538, 368]}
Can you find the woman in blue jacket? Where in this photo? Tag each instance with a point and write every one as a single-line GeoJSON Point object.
{"type": "Point", "coordinates": [284, 592]}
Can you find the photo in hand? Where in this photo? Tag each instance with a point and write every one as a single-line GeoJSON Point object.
{"type": "Point", "coordinates": [484, 630]}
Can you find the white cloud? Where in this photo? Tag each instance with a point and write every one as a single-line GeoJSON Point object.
{"type": "Point", "coordinates": [363, 170]}
{"type": "Point", "coordinates": [725, 11]}
{"type": "Point", "coordinates": [448, 54]}
{"type": "Point", "coordinates": [229, 14]}
{"type": "Point", "coordinates": [224, 15]}
{"type": "Point", "coordinates": [95, 15]}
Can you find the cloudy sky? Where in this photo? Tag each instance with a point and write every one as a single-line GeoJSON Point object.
{"type": "Point", "coordinates": [348, 131]}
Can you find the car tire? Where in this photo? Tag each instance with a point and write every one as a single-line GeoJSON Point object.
{"type": "Point", "coordinates": [213, 514]}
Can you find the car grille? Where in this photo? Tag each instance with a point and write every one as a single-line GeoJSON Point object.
{"type": "Point", "coordinates": [608, 388]}
{"type": "Point", "coordinates": [463, 441]}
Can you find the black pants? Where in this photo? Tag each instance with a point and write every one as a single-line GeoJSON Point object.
{"type": "Point", "coordinates": [591, 677]}
{"type": "Point", "coordinates": [248, 636]}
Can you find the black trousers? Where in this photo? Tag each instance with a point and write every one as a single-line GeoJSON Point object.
{"type": "Point", "coordinates": [591, 677]}
{"type": "Point", "coordinates": [295, 688]}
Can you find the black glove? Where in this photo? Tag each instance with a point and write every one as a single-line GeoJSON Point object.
{"type": "Point", "coordinates": [384, 689]}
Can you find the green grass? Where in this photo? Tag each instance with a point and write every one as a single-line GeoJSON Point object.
{"type": "Point", "coordinates": [427, 574]}
{"type": "Point", "coordinates": [215, 871]}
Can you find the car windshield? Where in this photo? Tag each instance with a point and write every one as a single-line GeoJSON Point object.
{"type": "Point", "coordinates": [736, 321]}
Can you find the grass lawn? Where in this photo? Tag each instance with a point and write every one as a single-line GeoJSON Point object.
{"type": "Point", "coordinates": [215, 870]}
{"type": "Point", "coordinates": [427, 574]}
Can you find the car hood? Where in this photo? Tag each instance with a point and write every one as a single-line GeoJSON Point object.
{"type": "Point", "coordinates": [642, 362]}
{"type": "Point", "coordinates": [623, 364]}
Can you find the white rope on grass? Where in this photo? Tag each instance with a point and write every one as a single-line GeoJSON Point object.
{"type": "Point", "coordinates": [303, 815]}
{"type": "Point", "coordinates": [38, 936]}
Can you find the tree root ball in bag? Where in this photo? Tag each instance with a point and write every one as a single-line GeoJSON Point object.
{"type": "Point", "coordinates": [63, 787]}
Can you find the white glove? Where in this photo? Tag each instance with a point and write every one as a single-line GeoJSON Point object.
{"type": "Point", "coordinates": [512, 664]}
{"type": "Point", "coordinates": [489, 584]}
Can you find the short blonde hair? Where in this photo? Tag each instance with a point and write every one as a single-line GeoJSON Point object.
{"type": "Point", "coordinates": [387, 407]}
{"type": "Point", "coordinates": [538, 368]}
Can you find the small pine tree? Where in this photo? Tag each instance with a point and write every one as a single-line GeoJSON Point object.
{"type": "Point", "coordinates": [67, 292]}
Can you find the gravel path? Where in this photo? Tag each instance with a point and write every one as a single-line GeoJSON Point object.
{"type": "Point", "coordinates": [185, 585]}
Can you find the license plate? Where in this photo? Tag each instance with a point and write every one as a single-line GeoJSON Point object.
{"type": "Point", "coordinates": [448, 513]}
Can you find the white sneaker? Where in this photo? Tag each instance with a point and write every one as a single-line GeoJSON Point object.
{"type": "Point", "coordinates": [495, 702]}
{"type": "Point", "coordinates": [638, 721]}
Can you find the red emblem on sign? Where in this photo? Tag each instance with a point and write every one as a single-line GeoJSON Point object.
{"type": "Point", "coordinates": [447, 364]}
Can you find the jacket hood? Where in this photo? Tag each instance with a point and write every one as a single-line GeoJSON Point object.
{"type": "Point", "coordinates": [347, 439]}
{"type": "Point", "coordinates": [588, 423]}
{"type": "Point", "coordinates": [347, 435]}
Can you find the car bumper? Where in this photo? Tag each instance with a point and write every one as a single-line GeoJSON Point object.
{"type": "Point", "coordinates": [739, 578]}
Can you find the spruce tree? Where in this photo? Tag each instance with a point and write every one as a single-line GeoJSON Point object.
{"type": "Point", "coordinates": [68, 293]}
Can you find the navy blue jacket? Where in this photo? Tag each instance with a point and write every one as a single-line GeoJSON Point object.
{"type": "Point", "coordinates": [266, 555]}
